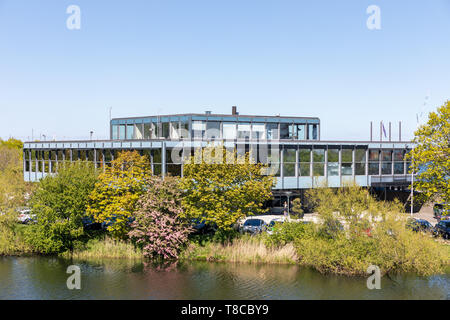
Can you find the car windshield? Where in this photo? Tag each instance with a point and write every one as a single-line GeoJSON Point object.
{"type": "Point", "coordinates": [445, 224]}
{"type": "Point", "coordinates": [253, 222]}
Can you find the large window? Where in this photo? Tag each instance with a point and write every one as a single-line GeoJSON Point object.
{"type": "Point", "coordinates": [284, 131]}
{"type": "Point", "coordinates": [374, 162]}
{"type": "Point", "coordinates": [318, 162]}
{"type": "Point", "coordinates": [175, 130]}
{"type": "Point", "coordinates": [198, 129]}
{"type": "Point", "coordinates": [297, 131]}
{"type": "Point", "coordinates": [360, 162]}
{"type": "Point", "coordinates": [244, 130]}
{"type": "Point", "coordinates": [289, 160]}
{"type": "Point", "coordinates": [122, 132]}
{"type": "Point", "coordinates": [312, 132]}
{"type": "Point", "coordinates": [333, 162]}
{"type": "Point", "coordinates": [258, 131]}
{"type": "Point", "coordinates": [229, 130]}
{"type": "Point", "coordinates": [272, 131]}
{"type": "Point", "coordinates": [347, 162]}
{"type": "Point", "coordinates": [130, 131]}
{"type": "Point", "coordinates": [213, 130]}
{"type": "Point", "coordinates": [115, 131]}
{"type": "Point", "coordinates": [138, 134]}
{"type": "Point", "coordinates": [304, 157]}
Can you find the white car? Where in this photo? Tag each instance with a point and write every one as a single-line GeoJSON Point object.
{"type": "Point", "coordinates": [26, 217]}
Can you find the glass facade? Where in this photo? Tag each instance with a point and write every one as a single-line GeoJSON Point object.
{"type": "Point", "coordinates": [215, 127]}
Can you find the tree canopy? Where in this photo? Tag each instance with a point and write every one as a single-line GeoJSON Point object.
{"type": "Point", "coordinates": [117, 191]}
{"type": "Point", "coordinates": [431, 156]}
{"type": "Point", "coordinates": [221, 187]}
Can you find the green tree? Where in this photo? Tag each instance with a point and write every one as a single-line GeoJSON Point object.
{"type": "Point", "coordinates": [60, 205]}
{"type": "Point", "coordinates": [221, 187]}
{"type": "Point", "coordinates": [430, 159]}
{"type": "Point", "coordinates": [297, 210]}
{"type": "Point", "coordinates": [117, 191]}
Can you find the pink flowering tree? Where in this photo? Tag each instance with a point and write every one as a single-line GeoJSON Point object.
{"type": "Point", "coordinates": [157, 227]}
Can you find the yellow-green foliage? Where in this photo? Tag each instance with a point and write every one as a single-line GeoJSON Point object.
{"type": "Point", "coordinates": [105, 249]}
{"type": "Point", "coordinates": [117, 191]}
{"type": "Point", "coordinates": [245, 250]}
{"type": "Point", "coordinates": [12, 240]}
{"type": "Point", "coordinates": [222, 186]}
{"type": "Point", "coordinates": [374, 233]}
{"type": "Point", "coordinates": [432, 156]}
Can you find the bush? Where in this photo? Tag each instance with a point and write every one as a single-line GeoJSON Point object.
{"type": "Point", "coordinates": [287, 232]}
{"type": "Point", "coordinates": [158, 228]}
{"type": "Point", "coordinates": [60, 205]}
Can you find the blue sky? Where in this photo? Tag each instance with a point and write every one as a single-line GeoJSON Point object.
{"type": "Point", "coordinates": [303, 58]}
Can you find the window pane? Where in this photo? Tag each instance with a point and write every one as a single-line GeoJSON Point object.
{"type": "Point", "coordinates": [272, 131]}
{"type": "Point", "coordinates": [386, 168]}
{"type": "Point", "coordinates": [318, 169]}
{"type": "Point", "coordinates": [289, 155]}
{"type": "Point", "coordinates": [165, 130]}
{"type": "Point", "coordinates": [138, 134]}
{"type": "Point", "coordinates": [399, 168]}
{"type": "Point", "coordinates": [304, 169]}
{"type": "Point", "coordinates": [346, 169]}
{"type": "Point", "coordinates": [122, 132]}
{"type": "Point", "coordinates": [229, 131]}
{"type": "Point", "coordinates": [318, 155]}
{"type": "Point", "coordinates": [374, 155]}
{"type": "Point", "coordinates": [289, 170]}
{"type": "Point", "coordinates": [398, 155]}
{"type": "Point", "coordinates": [360, 169]}
{"type": "Point", "coordinates": [333, 155]}
{"type": "Point", "coordinates": [213, 130]}
{"type": "Point", "coordinates": [115, 132]}
{"type": "Point", "coordinates": [258, 131]}
{"type": "Point", "coordinates": [374, 168]}
{"type": "Point", "coordinates": [244, 130]}
{"type": "Point", "coordinates": [130, 131]}
{"type": "Point", "coordinates": [347, 155]}
{"type": "Point", "coordinates": [312, 131]}
{"type": "Point", "coordinates": [386, 155]}
{"type": "Point", "coordinates": [333, 169]}
{"type": "Point", "coordinates": [360, 155]}
{"type": "Point", "coordinates": [175, 130]}
{"type": "Point", "coordinates": [304, 155]}
{"type": "Point", "coordinates": [284, 131]}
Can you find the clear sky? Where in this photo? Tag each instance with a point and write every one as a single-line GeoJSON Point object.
{"type": "Point", "coordinates": [302, 58]}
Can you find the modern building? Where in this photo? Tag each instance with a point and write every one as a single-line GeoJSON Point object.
{"type": "Point", "coordinates": [292, 146]}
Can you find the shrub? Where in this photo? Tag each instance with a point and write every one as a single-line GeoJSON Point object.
{"type": "Point", "coordinates": [60, 205]}
{"type": "Point", "coordinates": [158, 228]}
{"type": "Point", "coordinates": [287, 232]}
{"type": "Point", "coordinates": [297, 210]}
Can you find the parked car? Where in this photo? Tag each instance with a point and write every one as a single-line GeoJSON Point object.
{"type": "Point", "coordinates": [271, 225]}
{"type": "Point", "coordinates": [442, 228]}
{"type": "Point", "coordinates": [440, 212]}
{"type": "Point", "coordinates": [254, 226]}
{"type": "Point", "coordinates": [25, 216]}
{"type": "Point", "coordinates": [201, 227]}
{"type": "Point", "coordinates": [420, 225]}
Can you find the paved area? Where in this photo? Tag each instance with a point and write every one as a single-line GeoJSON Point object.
{"type": "Point", "coordinates": [426, 213]}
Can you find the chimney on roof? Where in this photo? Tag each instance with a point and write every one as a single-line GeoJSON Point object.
{"type": "Point", "coordinates": [234, 110]}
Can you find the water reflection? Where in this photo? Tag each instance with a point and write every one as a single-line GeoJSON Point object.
{"type": "Point", "coordinates": [45, 278]}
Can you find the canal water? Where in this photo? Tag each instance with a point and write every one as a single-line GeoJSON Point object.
{"type": "Point", "coordinates": [45, 278]}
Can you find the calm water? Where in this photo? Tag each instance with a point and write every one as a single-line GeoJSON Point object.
{"type": "Point", "coordinates": [45, 278]}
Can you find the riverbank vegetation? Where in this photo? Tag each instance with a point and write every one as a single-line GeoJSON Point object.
{"type": "Point", "coordinates": [124, 212]}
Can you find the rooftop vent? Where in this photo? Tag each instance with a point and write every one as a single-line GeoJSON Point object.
{"type": "Point", "coordinates": [234, 111]}
{"type": "Point", "coordinates": [208, 112]}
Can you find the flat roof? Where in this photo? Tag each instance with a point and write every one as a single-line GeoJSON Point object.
{"type": "Point", "coordinates": [217, 115]}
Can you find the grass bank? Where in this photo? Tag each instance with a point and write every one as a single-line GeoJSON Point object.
{"type": "Point", "coordinates": [246, 250]}
{"type": "Point", "coordinates": [105, 249]}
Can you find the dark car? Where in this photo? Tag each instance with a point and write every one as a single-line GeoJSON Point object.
{"type": "Point", "coordinates": [420, 225]}
{"type": "Point", "coordinates": [442, 228]}
{"type": "Point", "coordinates": [201, 227]}
{"type": "Point", "coordinates": [254, 226]}
{"type": "Point", "coordinates": [440, 211]}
